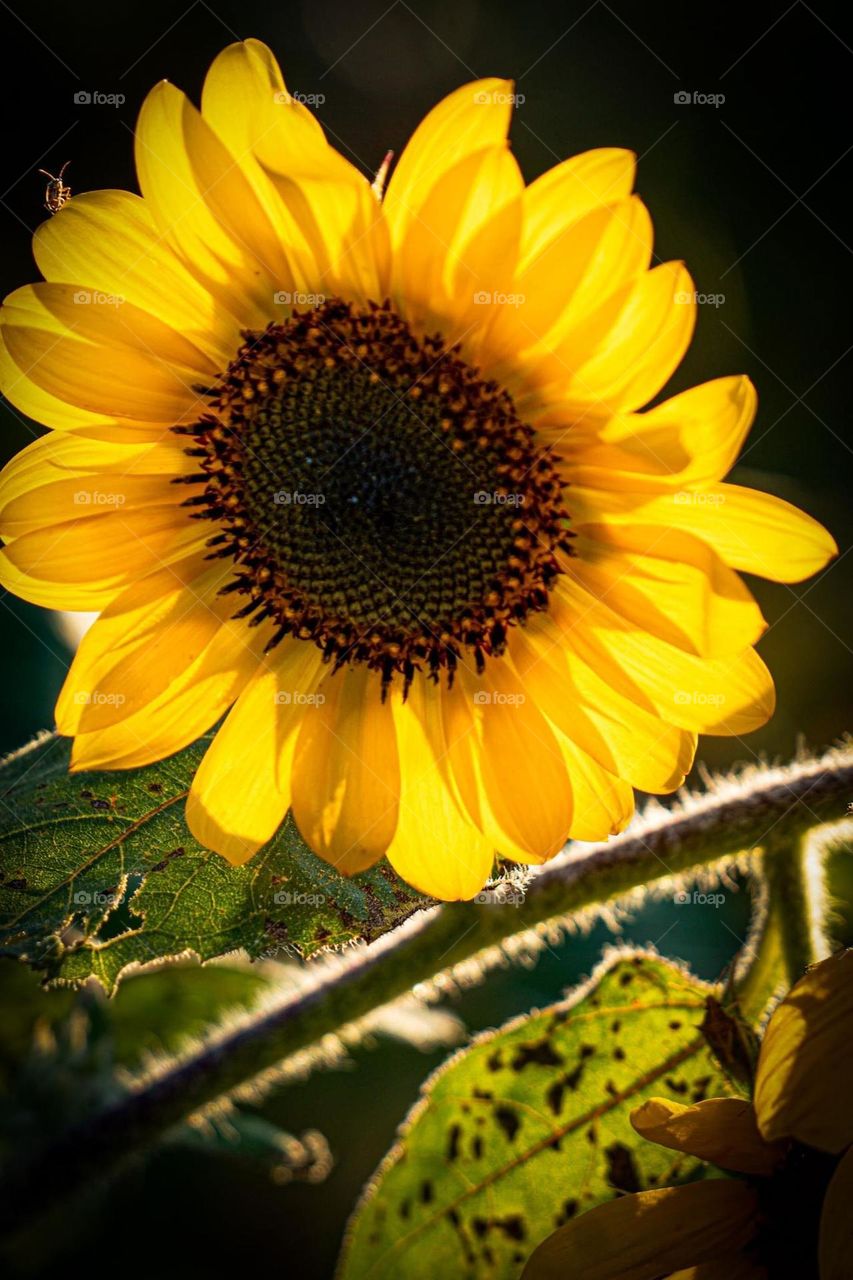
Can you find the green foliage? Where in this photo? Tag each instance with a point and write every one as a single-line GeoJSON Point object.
{"type": "Point", "coordinates": [99, 871]}
{"type": "Point", "coordinates": [530, 1125]}
{"type": "Point", "coordinates": [70, 1051]}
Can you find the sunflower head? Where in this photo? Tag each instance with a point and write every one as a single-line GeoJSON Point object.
{"type": "Point", "coordinates": [424, 519]}
{"type": "Point", "coordinates": [361, 469]}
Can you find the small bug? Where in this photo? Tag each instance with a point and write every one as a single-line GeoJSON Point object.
{"type": "Point", "coordinates": [56, 193]}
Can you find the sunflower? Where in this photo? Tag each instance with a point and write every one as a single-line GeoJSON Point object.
{"type": "Point", "coordinates": [363, 474]}
{"type": "Point", "coordinates": [790, 1215]}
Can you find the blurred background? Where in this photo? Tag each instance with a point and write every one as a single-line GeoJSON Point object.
{"type": "Point", "coordinates": [746, 180]}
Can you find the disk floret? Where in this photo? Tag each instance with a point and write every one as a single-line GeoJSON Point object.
{"type": "Point", "coordinates": [376, 495]}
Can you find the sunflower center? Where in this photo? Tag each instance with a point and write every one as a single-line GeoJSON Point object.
{"type": "Point", "coordinates": [376, 495]}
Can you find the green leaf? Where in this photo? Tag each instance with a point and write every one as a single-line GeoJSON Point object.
{"type": "Point", "coordinates": [77, 1042]}
{"type": "Point", "coordinates": [99, 871]}
{"type": "Point", "coordinates": [530, 1125]}
{"type": "Point", "coordinates": [154, 1012]}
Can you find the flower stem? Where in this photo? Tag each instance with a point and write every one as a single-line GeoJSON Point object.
{"type": "Point", "coordinates": [704, 830]}
{"type": "Point", "coordinates": [793, 872]}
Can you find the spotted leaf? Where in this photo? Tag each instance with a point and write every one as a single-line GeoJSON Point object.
{"type": "Point", "coordinates": [530, 1125]}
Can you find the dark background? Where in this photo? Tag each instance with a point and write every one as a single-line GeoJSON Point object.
{"type": "Point", "coordinates": [753, 194]}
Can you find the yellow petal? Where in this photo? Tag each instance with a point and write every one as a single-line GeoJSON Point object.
{"type": "Point", "coordinates": [835, 1248]}
{"type": "Point", "coordinates": [241, 790]}
{"type": "Point", "coordinates": [564, 194]}
{"type": "Point", "coordinates": [648, 1235]}
{"type": "Point", "coordinates": [751, 531]}
{"type": "Point", "coordinates": [523, 772]}
{"type": "Point", "coordinates": [48, 468]}
{"type": "Point", "coordinates": [268, 132]}
{"type": "Point", "coordinates": [721, 1130]}
{"type": "Point", "coordinates": [619, 356]}
{"type": "Point", "coordinates": [460, 253]}
{"type": "Point", "coordinates": [568, 277]}
{"type": "Point", "coordinates": [343, 238]}
{"type": "Point", "coordinates": [669, 583]}
{"type": "Point", "coordinates": [176, 711]}
{"type": "Point", "coordinates": [129, 383]}
{"type": "Point", "coordinates": [624, 737]}
{"type": "Point", "coordinates": [108, 321]}
{"type": "Point", "coordinates": [242, 99]}
{"type": "Point", "coordinates": [205, 208]}
{"type": "Point", "coordinates": [472, 117]}
{"type": "Point", "coordinates": [44, 407]}
{"type": "Point", "coordinates": [346, 775]}
{"type": "Point", "coordinates": [602, 805]}
{"type": "Point", "coordinates": [730, 695]}
{"type": "Point", "coordinates": [691, 439]}
{"type": "Point", "coordinates": [436, 846]}
{"type": "Point", "coordinates": [143, 644]}
{"type": "Point", "coordinates": [66, 500]}
{"type": "Point", "coordinates": [106, 242]}
{"type": "Point", "coordinates": [246, 101]}
{"type": "Point", "coordinates": [802, 1086]}
{"type": "Point", "coordinates": [82, 564]}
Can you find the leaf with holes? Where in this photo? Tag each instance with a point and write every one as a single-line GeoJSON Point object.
{"type": "Point", "coordinates": [530, 1125]}
{"type": "Point", "coordinates": [99, 871]}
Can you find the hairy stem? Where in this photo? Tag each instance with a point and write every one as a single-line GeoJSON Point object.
{"type": "Point", "coordinates": [793, 871]}
{"type": "Point", "coordinates": [769, 807]}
